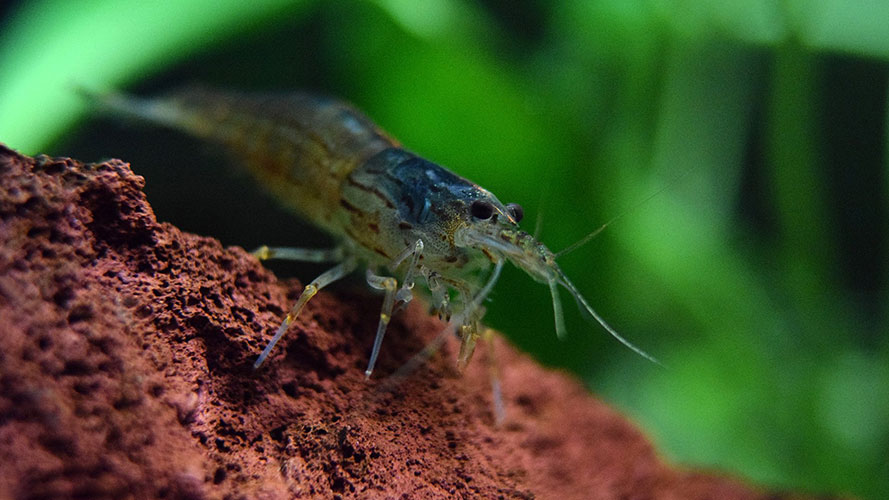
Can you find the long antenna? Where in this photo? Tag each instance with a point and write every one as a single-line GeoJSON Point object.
{"type": "Point", "coordinates": [586, 307]}
{"type": "Point", "coordinates": [538, 221]}
{"type": "Point", "coordinates": [583, 241]}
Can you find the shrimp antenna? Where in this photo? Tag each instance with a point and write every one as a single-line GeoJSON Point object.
{"type": "Point", "coordinates": [538, 221]}
{"type": "Point", "coordinates": [538, 224]}
{"type": "Point", "coordinates": [557, 309]}
{"type": "Point", "coordinates": [584, 306]}
{"type": "Point", "coordinates": [583, 241]}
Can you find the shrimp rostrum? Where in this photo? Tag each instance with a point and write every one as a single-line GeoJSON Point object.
{"type": "Point", "coordinates": [401, 218]}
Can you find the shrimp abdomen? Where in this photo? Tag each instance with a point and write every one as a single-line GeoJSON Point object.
{"type": "Point", "coordinates": [299, 146]}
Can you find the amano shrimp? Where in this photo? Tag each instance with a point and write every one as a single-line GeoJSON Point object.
{"type": "Point", "coordinates": [401, 218]}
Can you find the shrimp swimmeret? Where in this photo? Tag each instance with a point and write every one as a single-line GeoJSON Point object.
{"type": "Point", "coordinates": [398, 216]}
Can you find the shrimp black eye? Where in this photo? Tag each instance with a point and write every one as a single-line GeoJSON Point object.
{"type": "Point", "coordinates": [516, 211]}
{"type": "Point", "coordinates": [481, 209]}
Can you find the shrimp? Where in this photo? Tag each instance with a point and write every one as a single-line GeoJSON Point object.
{"type": "Point", "coordinates": [398, 216]}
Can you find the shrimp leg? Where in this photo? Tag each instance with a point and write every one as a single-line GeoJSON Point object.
{"type": "Point", "coordinates": [441, 303]}
{"type": "Point", "coordinates": [343, 268]}
{"type": "Point", "coordinates": [454, 323]}
{"type": "Point", "coordinates": [402, 295]}
{"type": "Point", "coordinates": [389, 284]}
{"type": "Point", "coordinates": [494, 375]}
{"type": "Point", "coordinates": [299, 254]}
{"type": "Point", "coordinates": [469, 331]}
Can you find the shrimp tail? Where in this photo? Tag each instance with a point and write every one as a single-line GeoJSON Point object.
{"type": "Point", "coordinates": [159, 111]}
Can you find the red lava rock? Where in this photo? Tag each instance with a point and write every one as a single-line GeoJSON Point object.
{"type": "Point", "coordinates": [125, 372]}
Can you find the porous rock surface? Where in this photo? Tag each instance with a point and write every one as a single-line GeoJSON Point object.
{"type": "Point", "coordinates": [125, 372]}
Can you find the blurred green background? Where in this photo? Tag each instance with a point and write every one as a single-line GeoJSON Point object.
{"type": "Point", "coordinates": [757, 274]}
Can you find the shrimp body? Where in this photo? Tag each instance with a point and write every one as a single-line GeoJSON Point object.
{"type": "Point", "coordinates": [394, 213]}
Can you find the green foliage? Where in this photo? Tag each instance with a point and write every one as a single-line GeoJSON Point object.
{"type": "Point", "coordinates": [758, 273]}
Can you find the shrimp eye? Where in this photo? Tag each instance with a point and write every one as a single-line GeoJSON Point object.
{"type": "Point", "coordinates": [481, 209]}
{"type": "Point", "coordinates": [516, 211]}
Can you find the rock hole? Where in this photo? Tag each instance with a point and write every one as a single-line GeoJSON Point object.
{"type": "Point", "coordinates": [277, 434]}
{"type": "Point", "coordinates": [63, 296]}
{"type": "Point", "coordinates": [44, 342]}
{"type": "Point", "coordinates": [291, 389]}
{"type": "Point", "coordinates": [80, 312]}
{"type": "Point", "coordinates": [219, 475]}
{"type": "Point", "coordinates": [77, 367]}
